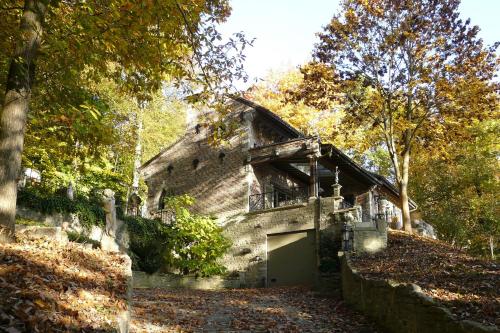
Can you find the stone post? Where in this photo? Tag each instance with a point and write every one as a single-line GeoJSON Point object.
{"type": "Point", "coordinates": [337, 198]}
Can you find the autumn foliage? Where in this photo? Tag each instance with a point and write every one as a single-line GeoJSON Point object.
{"type": "Point", "coordinates": [413, 71]}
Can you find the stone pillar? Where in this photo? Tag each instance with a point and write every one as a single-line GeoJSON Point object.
{"type": "Point", "coordinates": [313, 176]}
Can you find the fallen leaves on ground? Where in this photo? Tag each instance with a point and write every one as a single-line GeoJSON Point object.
{"type": "Point", "coordinates": [468, 286]}
{"type": "Point", "coordinates": [48, 287]}
{"type": "Point", "coordinates": [242, 310]}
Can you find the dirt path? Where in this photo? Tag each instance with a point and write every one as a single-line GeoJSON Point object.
{"type": "Point", "coordinates": [247, 310]}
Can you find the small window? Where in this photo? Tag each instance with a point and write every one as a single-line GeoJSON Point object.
{"type": "Point", "coordinates": [170, 168]}
{"type": "Point", "coordinates": [197, 128]}
{"type": "Point", "coordinates": [222, 155]}
{"type": "Point", "coordinates": [195, 163]}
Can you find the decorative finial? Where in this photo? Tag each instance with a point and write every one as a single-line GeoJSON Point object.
{"type": "Point", "coordinates": [337, 171]}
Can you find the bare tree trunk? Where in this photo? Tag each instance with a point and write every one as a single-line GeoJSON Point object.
{"type": "Point", "coordinates": [492, 247]}
{"type": "Point", "coordinates": [14, 112]}
{"type": "Point", "coordinates": [403, 189]}
{"type": "Point", "coordinates": [138, 151]}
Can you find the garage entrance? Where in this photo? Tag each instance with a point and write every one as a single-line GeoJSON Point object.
{"type": "Point", "coordinates": [291, 258]}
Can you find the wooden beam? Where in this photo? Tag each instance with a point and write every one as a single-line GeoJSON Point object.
{"type": "Point", "coordinates": [313, 176]}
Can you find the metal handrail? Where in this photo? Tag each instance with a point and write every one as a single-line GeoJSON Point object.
{"type": "Point", "coordinates": [267, 200]}
{"type": "Point", "coordinates": [165, 215]}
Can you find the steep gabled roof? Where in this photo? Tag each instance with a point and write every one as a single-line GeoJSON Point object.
{"type": "Point", "coordinates": [262, 110]}
{"type": "Point", "coordinates": [334, 152]}
{"type": "Point", "coordinates": [271, 115]}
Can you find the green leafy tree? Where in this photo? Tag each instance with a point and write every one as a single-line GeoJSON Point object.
{"type": "Point", "coordinates": [413, 71]}
{"type": "Point", "coordinates": [459, 195]}
{"type": "Point", "coordinates": [70, 41]}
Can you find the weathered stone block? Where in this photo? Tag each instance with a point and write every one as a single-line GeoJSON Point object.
{"type": "Point", "coordinates": [52, 233]}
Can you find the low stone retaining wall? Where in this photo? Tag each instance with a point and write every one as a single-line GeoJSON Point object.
{"type": "Point", "coordinates": [400, 307]}
{"type": "Point", "coordinates": [55, 219]}
{"type": "Point", "coordinates": [54, 233]}
{"type": "Point", "coordinates": [168, 281]}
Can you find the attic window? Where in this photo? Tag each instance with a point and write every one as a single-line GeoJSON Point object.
{"type": "Point", "coordinates": [195, 163]}
{"type": "Point", "coordinates": [197, 128]}
{"type": "Point", "coordinates": [222, 155]}
{"type": "Point", "coordinates": [169, 169]}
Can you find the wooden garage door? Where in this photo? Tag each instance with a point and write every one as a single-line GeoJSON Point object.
{"type": "Point", "coordinates": [291, 258]}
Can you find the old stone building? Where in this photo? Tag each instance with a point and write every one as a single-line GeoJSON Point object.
{"type": "Point", "coordinates": [285, 200]}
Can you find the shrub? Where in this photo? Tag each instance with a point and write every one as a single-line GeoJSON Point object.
{"type": "Point", "coordinates": [198, 243]}
{"type": "Point", "coordinates": [150, 241]}
{"type": "Point", "coordinates": [193, 244]}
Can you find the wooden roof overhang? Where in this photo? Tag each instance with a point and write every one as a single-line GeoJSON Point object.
{"type": "Point", "coordinates": [353, 177]}
{"type": "Point", "coordinates": [353, 173]}
{"type": "Point", "coordinates": [293, 151]}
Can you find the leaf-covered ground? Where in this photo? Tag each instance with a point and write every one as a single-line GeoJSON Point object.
{"type": "Point", "coordinates": [468, 286]}
{"type": "Point", "coordinates": [47, 287]}
{"type": "Point", "coordinates": [242, 310]}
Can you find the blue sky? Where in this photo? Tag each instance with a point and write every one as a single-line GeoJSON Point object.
{"type": "Point", "coordinates": [285, 29]}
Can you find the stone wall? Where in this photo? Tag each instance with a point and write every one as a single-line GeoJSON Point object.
{"type": "Point", "coordinates": [249, 231]}
{"type": "Point", "coordinates": [401, 307]}
{"type": "Point", "coordinates": [58, 223]}
{"type": "Point", "coordinates": [167, 281]}
{"type": "Point", "coordinates": [55, 219]}
{"type": "Point", "coordinates": [123, 318]}
{"type": "Point", "coordinates": [370, 237]}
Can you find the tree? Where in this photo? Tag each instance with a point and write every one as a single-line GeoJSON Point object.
{"type": "Point", "coordinates": [14, 110]}
{"type": "Point", "coordinates": [411, 70]}
{"type": "Point", "coordinates": [459, 194]}
{"type": "Point", "coordinates": [144, 40]}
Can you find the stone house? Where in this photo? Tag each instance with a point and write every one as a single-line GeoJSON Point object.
{"type": "Point", "coordinates": [284, 199]}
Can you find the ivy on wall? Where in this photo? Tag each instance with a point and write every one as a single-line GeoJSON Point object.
{"type": "Point", "coordinates": [88, 210]}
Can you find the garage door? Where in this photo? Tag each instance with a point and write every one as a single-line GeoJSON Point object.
{"type": "Point", "coordinates": [291, 258]}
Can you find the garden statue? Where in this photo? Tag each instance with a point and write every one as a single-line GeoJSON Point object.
{"type": "Point", "coordinates": [108, 200]}
{"type": "Point", "coordinates": [115, 236]}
